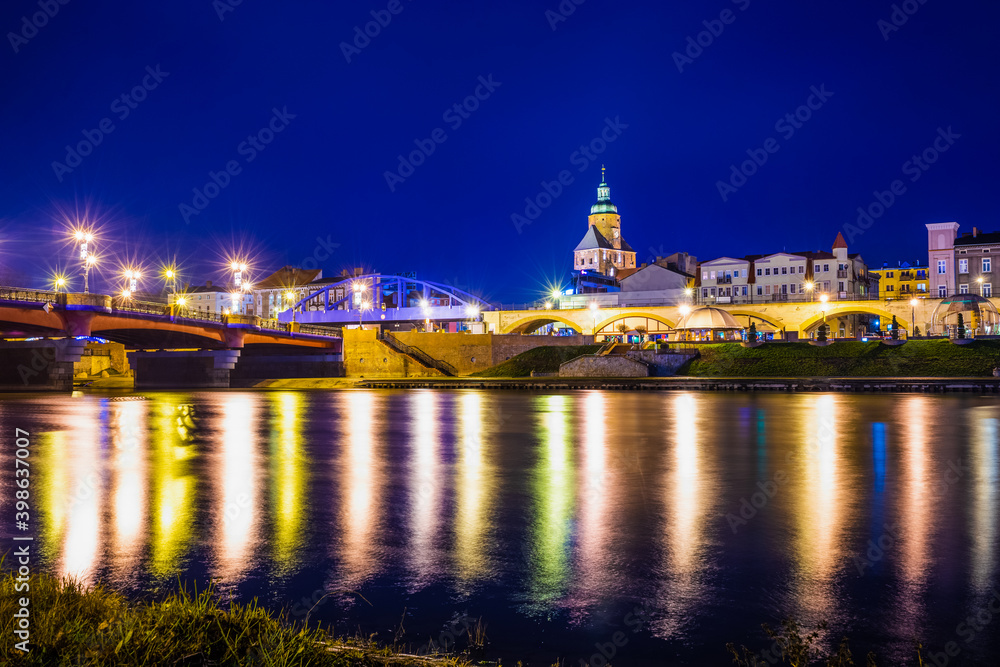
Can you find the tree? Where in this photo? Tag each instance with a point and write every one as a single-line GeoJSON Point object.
{"type": "Point", "coordinates": [821, 335]}
{"type": "Point", "coordinates": [916, 330]}
{"type": "Point", "coordinates": [642, 333]}
{"type": "Point", "coordinates": [895, 328]}
{"type": "Point", "coordinates": [961, 327]}
{"type": "Point", "coordinates": [624, 329]}
{"type": "Point", "coordinates": [752, 333]}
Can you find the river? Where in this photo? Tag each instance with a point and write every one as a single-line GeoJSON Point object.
{"type": "Point", "coordinates": [654, 527]}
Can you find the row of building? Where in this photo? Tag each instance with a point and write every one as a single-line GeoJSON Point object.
{"type": "Point", "coordinates": [605, 270]}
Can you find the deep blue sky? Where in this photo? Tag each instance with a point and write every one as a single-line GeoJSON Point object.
{"type": "Point", "coordinates": [323, 176]}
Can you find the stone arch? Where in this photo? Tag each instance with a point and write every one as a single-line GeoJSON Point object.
{"type": "Point", "coordinates": [637, 314]}
{"type": "Point", "coordinates": [526, 325]}
{"type": "Point", "coordinates": [852, 309]}
{"type": "Point", "coordinates": [775, 322]}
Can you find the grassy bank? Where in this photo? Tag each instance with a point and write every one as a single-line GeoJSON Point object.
{"type": "Point", "coordinates": [73, 625]}
{"type": "Point", "coordinates": [917, 358]}
{"type": "Point", "coordinates": [539, 360]}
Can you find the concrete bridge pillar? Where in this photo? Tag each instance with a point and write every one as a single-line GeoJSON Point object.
{"type": "Point", "coordinates": [40, 365]}
{"type": "Point", "coordinates": [183, 369]}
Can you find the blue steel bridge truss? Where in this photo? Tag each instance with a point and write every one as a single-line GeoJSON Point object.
{"type": "Point", "coordinates": [383, 298]}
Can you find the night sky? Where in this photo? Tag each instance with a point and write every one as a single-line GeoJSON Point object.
{"type": "Point", "coordinates": [219, 73]}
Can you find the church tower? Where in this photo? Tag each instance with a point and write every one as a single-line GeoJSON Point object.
{"type": "Point", "coordinates": [603, 249]}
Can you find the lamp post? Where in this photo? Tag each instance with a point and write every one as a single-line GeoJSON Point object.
{"type": "Point", "coordinates": [85, 238]}
{"type": "Point", "coordinates": [362, 307]}
{"type": "Point", "coordinates": [823, 298]}
{"type": "Point", "coordinates": [809, 288]}
{"type": "Point", "coordinates": [132, 276]}
{"type": "Point", "coordinates": [473, 313]}
{"type": "Point", "coordinates": [60, 283]}
{"type": "Point", "coordinates": [234, 308]}
{"type": "Point", "coordinates": [594, 310]}
{"type": "Point", "coordinates": [180, 303]}
{"type": "Point", "coordinates": [980, 281]}
{"type": "Point", "coordinates": [87, 263]}
{"type": "Point", "coordinates": [913, 316]}
{"type": "Point", "coordinates": [290, 298]}
{"type": "Point", "coordinates": [424, 305]}
{"type": "Point", "coordinates": [171, 277]}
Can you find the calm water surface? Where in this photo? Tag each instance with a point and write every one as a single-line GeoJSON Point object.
{"type": "Point", "coordinates": [683, 521]}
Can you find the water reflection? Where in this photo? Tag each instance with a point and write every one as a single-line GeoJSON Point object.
{"type": "Point", "coordinates": [820, 509]}
{"type": "Point", "coordinates": [426, 500]}
{"type": "Point", "coordinates": [426, 487]}
{"type": "Point", "coordinates": [129, 474]}
{"type": "Point", "coordinates": [362, 481]}
{"type": "Point", "coordinates": [984, 499]}
{"type": "Point", "coordinates": [686, 517]}
{"type": "Point", "coordinates": [475, 488]}
{"type": "Point", "coordinates": [552, 484]}
{"type": "Point", "coordinates": [596, 491]}
{"type": "Point", "coordinates": [236, 465]}
{"type": "Point", "coordinates": [290, 469]}
{"type": "Point", "coordinates": [174, 488]}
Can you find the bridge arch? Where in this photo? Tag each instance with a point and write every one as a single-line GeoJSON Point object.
{"type": "Point", "coordinates": [526, 325]}
{"type": "Point", "coordinates": [775, 322]}
{"type": "Point", "coordinates": [851, 309]}
{"type": "Point", "coordinates": [628, 315]}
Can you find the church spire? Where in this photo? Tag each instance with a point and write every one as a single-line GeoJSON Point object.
{"type": "Point", "coordinates": [603, 191]}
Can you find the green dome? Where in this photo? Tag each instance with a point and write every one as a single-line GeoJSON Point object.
{"type": "Point", "coordinates": [603, 207]}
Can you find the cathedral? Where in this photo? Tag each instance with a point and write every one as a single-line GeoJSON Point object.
{"type": "Point", "coordinates": [603, 250]}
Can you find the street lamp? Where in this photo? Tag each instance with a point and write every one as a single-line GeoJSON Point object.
{"type": "Point", "coordinates": [60, 283]}
{"type": "Point", "coordinates": [980, 281]}
{"type": "Point", "coordinates": [171, 277]}
{"type": "Point", "coordinates": [809, 288]}
{"type": "Point", "coordinates": [235, 299]}
{"type": "Point", "coordinates": [238, 269]}
{"type": "Point", "coordinates": [87, 263]}
{"type": "Point", "coordinates": [594, 311]}
{"type": "Point", "coordinates": [362, 307]}
{"type": "Point", "coordinates": [290, 298]}
{"type": "Point", "coordinates": [133, 277]}
{"type": "Point", "coordinates": [84, 239]}
{"type": "Point", "coordinates": [913, 318]}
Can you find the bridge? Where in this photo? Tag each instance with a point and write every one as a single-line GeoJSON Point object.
{"type": "Point", "coordinates": [177, 348]}
{"type": "Point", "coordinates": [385, 299]}
{"type": "Point", "coordinates": [797, 318]}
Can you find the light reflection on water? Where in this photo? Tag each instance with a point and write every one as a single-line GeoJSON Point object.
{"type": "Point", "coordinates": [549, 515]}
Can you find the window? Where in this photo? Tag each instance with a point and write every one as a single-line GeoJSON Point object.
{"type": "Point", "coordinates": [987, 289]}
{"type": "Point", "coordinates": [760, 290]}
{"type": "Point", "coordinates": [744, 275]}
{"type": "Point", "coordinates": [987, 262]}
{"type": "Point", "coordinates": [704, 292]}
{"type": "Point", "coordinates": [591, 260]}
{"type": "Point", "coordinates": [791, 288]}
{"type": "Point", "coordinates": [704, 275]}
{"type": "Point", "coordinates": [712, 291]}
{"type": "Point", "coordinates": [826, 267]}
{"type": "Point", "coordinates": [784, 289]}
{"type": "Point", "coordinates": [713, 275]}
{"type": "Point", "coordinates": [744, 288]}
{"type": "Point", "coordinates": [963, 289]}
{"type": "Point", "coordinates": [760, 272]}
{"type": "Point", "coordinates": [767, 272]}
{"type": "Point", "coordinates": [921, 287]}
{"type": "Point", "coordinates": [784, 270]}
{"type": "Point", "coordinates": [802, 268]}
{"type": "Point", "coordinates": [767, 289]}
{"type": "Point", "coordinates": [963, 266]}
{"type": "Point", "coordinates": [890, 288]}
{"type": "Point", "coordinates": [942, 267]}
{"type": "Point", "coordinates": [942, 291]}
{"type": "Point", "coordinates": [840, 287]}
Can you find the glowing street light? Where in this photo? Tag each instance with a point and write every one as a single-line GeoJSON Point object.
{"type": "Point", "coordinates": [171, 277]}
{"type": "Point", "coordinates": [548, 305]}
{"type": "Point", "coordinates": [362, 307]}
{"type": "Point", "coordinates": [60, 283]}
{"type": "Point", "coordinates": [238, 269]}
{"type": "Point", "coordinates": [235, 296]}
{"type": "Point", "coordinates": [809, 288]}
{"type": "Point", "coordinates": [685, 310]}
{"type": "Point", "coordinates": [132, 276]}
{"type": "Point", "coordinates": [594, 309]}
{"type": "Point", "coordinates": [913, 312]}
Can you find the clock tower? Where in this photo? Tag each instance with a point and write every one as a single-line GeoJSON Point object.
{"type": "Point", "coordinates": [603, 249]}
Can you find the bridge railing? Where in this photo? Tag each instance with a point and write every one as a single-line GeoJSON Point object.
{"type": "Point", "coordinates": [318, 331]}
{"type": "Point", "coordinates": [27, 295]}
{"type": "Point", "coordinates": [418, 354]}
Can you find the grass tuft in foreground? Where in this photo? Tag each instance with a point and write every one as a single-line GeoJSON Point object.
{"type": "Point", "coordinates": [72, 624]}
